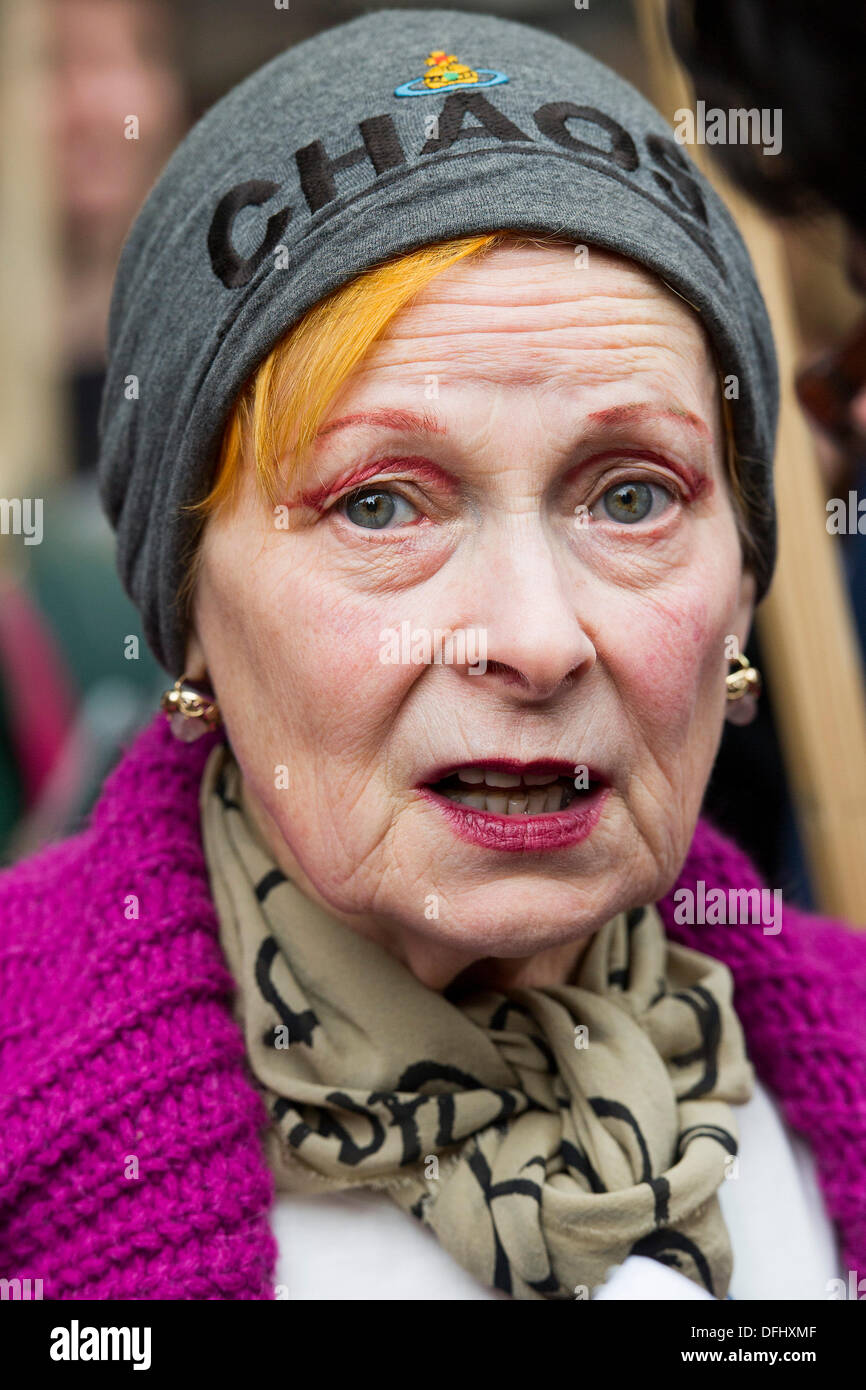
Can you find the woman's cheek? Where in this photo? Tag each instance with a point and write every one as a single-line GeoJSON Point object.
{"type": "Point", "coordinates": [331, 648]}
{"type": "Point", "coordinates": [670, 659]}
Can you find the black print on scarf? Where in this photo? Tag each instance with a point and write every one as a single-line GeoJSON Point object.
{"type": "Point", "coordinates": [402, 1110]}
{"type": "Point", "coordinates": [269, 881]}
{"type": "Point", "coordinates": [498, 1022]}
{"type": "Point", "coordinates": [327, 1125]}
{"type": "Point", "coordinates": [667, 1246]}
{"type": "Point", "coordinates": [420, 1074]}
{"type": "Point", "coordinates": [576, 1159]}
{"type": "Point", "coordinates": [659, 1187]}
{"type": "Point", "coordinates": [621, 976]}
{"type": "Point", "coordinates": [615, 1111]}
{"type": "Point", "coordinates": [710, 1024]}
{"type": "Point", "coordinates": [661, 1190]}
{"type": "Point", "coordinates": [227, 801]}
{"type": "Point", "coordinates": [661, 991]}
{"type": "Point", "coordinates": [722, 1136]}
{"type": "Point", "coordinates": [490, 1191]}
{"type": "Point", "coordinates": [301, 1025]}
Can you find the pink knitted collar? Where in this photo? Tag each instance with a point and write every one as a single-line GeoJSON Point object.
{"type": "Point", "coordinates": [130, 1157]}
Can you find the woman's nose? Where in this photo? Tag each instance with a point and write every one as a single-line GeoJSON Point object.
{"type": "Point", "coordinates": [527, 601]}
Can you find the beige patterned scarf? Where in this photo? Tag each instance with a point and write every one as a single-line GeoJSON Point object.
{"type": "Point", "coordinates": [542, 1134]}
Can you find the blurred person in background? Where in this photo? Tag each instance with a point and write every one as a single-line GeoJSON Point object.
{"type": "Point", "coordinates": [760, 54]}
{"type": "Point", "coordinates": [117, 107]}
{"type": "Point", "coordinates": [111, 63]}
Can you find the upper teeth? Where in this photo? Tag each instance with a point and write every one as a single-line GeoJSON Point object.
{"type": "Point", "coordinates": [507, 793]}
{"type": "Point", "coordinates": [476, 775]}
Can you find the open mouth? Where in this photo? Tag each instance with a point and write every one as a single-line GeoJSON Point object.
{"type": "Point", "coordinates": [518, 806]}
{"type": "Point", "coordinates": [524, 793]}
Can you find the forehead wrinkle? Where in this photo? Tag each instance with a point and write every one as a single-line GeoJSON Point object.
{"type": "Point", "coordinates": [538, 271]}
{"type": "Point", "coordinates": [537, 365]}
{"type": "Point", "coordinates": [618, 332]}
{"type": "Point", "coordinates": [557, 316]}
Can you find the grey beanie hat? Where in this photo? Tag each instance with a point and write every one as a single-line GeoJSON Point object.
{"type": "Point", "coordinates": [325, 162]}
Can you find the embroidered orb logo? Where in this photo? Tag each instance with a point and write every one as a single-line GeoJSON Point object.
{"type": "Point", "coordinates": [444, 73]}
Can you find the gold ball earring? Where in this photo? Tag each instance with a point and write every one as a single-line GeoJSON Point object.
{"type": "Point", "coordinates": [190, 713]}
{"type": "Point", "coordinates": [743, 688]}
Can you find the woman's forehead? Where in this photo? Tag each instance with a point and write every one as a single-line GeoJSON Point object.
{"type": "Point", "coordinates": [494, 326]}
{"type": "Point", "coordinates": [546, 290]}
{"type": "Point", "coordinates": [546, 261]}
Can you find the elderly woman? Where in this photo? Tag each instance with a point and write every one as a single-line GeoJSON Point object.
{"type": "Point", "coordinates": [437, 436]}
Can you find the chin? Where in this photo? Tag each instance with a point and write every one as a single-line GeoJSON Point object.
{"type": "Point", "coordinates": [520, 917]}
{"type": "Point", "coordinates": [509, 904]}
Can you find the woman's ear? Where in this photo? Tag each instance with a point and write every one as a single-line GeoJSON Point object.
{"type": "Point", "coordinates": [195, 664]}
{"type": "Point", "coordinates": [745, 610]}
{"type": "Point", "coordinates": [743, 711]}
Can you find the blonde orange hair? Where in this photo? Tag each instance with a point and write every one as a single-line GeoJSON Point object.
{"type": "Point", "coordinates": [279, 410]}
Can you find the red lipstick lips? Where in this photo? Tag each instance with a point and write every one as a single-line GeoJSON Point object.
{"type": "Point", "coordinates": [518, 832]}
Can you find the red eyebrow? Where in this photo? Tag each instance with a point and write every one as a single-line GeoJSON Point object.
{"type": "Point", "coordinates": [622, 414]}
{"type": "Point", "coordinates": [405, 420]}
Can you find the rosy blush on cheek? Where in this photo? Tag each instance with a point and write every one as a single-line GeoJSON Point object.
{"type": "Point", "coordinates": [672, 647]}
{"type": "Point", "coordinates": [341, 657]}
{"type": "Point", "coordinates": [345, 679]}
{"type": "Point", "coordinates": [348, 632]}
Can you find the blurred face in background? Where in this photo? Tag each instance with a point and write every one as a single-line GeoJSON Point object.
{"type": "Point", "coordinates": [109, 60]}
{"type": "Point", "coordinates": [832, 387]}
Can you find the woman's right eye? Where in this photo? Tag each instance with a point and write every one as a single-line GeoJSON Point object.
{"type": "Point", "coordinates": [377, 509]}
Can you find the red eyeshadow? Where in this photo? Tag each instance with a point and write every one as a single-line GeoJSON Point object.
{"type": "Point", "coordinates": [421, 468]}
{"type": "Point", "coordinates": [697, 483]}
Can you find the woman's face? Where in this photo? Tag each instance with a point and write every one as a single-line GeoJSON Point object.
{"type": "Point", "coordinates": [533, 457]}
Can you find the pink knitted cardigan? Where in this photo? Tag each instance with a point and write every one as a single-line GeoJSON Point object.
{"type": "Point", "coordinates": [130, 1152]}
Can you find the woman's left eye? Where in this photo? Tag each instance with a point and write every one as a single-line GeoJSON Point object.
{"type": "Point", "coordinates": [376, 509]}
{"type": "Point", "coordinates": [633, 501]}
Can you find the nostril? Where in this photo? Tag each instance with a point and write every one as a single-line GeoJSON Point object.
{"type": "Point", "coordinates": [541, 684]}
{"type": "Point", "coordinates": [510, 673]}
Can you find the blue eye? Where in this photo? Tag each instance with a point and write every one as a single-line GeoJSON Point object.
{"type": "Point", "coordinates": [634, 501]}
{"type": "Point", "coordinates": [376, 510]}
